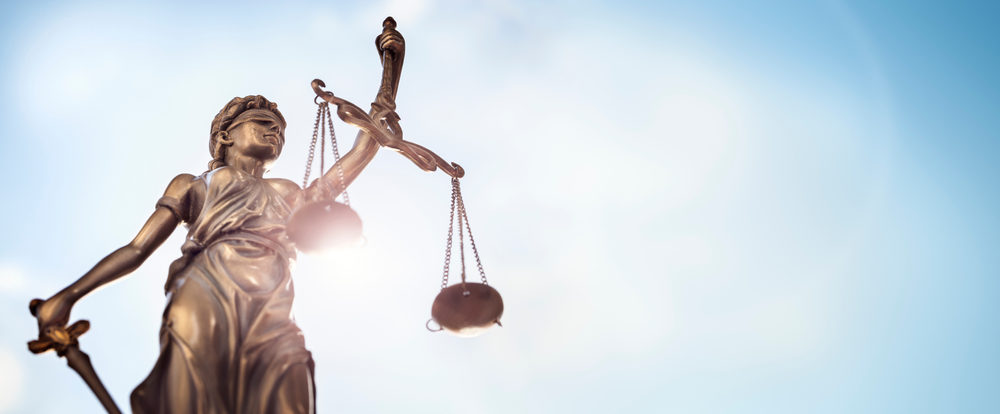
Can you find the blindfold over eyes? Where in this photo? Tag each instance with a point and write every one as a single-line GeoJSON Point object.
{"type": "Point", "coordinates": [255, 115]}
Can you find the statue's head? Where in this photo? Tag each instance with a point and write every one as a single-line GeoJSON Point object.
{"type": "Point", "coordinates": [251, 125]}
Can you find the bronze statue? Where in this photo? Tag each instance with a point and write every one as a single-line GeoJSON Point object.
{"type": "Point", "coordinates": [228, 343]}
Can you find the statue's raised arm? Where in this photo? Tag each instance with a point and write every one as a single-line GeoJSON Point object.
{"type": "Point", "coordinates": [391, 48]}
{"type": "Point", "coordinates": [380, 126]}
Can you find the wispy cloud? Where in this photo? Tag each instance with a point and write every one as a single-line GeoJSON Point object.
{"type": "Point", "coordinates": [12, 279]}
{"type": "Point", "coordinates": [11, 381]}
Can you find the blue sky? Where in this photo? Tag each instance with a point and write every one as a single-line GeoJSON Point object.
{"type": "Point", "coordinates": [688, 206]}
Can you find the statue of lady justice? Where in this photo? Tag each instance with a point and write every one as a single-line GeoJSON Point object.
{"type": "Point", "coordinates": [228, 342]}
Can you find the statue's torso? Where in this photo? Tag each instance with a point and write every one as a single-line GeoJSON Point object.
{"type": "Point", "coordinates": [228, 338]}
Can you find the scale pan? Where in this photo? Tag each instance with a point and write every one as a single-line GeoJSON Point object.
{"type": "Point", "coordinates": [319, 225]}
{"type": "Point", "coordinates": [467, 309]}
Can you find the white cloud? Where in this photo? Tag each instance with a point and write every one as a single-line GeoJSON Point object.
{"type": "Point", "coordinates": [10, 381]}
{"type": "Point", "coordinates": [12, 279]}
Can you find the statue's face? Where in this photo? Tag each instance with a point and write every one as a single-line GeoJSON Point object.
{"type": "Point", "coordinates": [260, 138]}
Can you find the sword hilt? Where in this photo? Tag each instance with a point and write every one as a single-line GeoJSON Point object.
{"type": "Point", "coordinates": [54, 337]}
{"type": "Point", "coordinates": [64, 342]}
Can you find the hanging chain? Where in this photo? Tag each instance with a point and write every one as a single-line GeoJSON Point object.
{"type": "Point", "coordinates": [472, 241]}
{"type": "Point", "coordinates": [312, 146]}
{"type": "Point", "coordinates": [451, 226]}
{"type": "Point", "coordinates": [461, 240]}
{"type": "Point", "coordinates": [458, 210]}
{"type": "Point", "coordinates": [336, 157]}
{"type": "Point", "coordinates": [323, 113]}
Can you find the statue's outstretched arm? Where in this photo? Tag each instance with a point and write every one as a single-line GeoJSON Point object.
{"type": "Point", "coordinates": [55, 310]}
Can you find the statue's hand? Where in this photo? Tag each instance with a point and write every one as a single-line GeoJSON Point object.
{"type": "Point", "coordinates": [52, 314]}
{"type": "Point", "coordinates": [53, 334]}
{"type": "Point", "coordinates": [390, 39]}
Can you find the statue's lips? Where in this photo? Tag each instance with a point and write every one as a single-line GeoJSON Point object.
{"type": "Point", "coordinates": [272, 138]}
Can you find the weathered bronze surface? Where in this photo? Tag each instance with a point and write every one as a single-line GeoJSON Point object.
{"type": "Point", "coordinates": [228, 343]}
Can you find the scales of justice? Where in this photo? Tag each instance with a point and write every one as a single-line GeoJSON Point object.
{"type": "Point", "coordinates": [228, 343]}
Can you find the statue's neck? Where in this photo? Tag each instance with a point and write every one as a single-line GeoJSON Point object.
{"type": "Point", "coordinates": [246, 164]}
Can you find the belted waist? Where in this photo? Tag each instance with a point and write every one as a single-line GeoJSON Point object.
{"type": "Point", "coordinates": [192, 247]}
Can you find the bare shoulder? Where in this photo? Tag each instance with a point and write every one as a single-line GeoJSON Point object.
{"type": "Point", "coordinates": [179, 186]}
{"type": "Point", "coordinates": [178, 196]}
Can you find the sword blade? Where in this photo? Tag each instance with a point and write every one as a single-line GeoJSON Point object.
{"type": "Point", "coordinates": [80, 362]}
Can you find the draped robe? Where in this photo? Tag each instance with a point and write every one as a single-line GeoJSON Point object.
{"type": "Point", "coordinates": [228, 343]}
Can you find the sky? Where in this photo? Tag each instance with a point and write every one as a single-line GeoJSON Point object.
{"type": "Point", "coordinates": [688, 206]}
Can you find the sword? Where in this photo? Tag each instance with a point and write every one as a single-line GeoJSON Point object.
{"type": "Point", "coordinates": [64, 342]}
